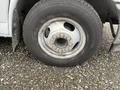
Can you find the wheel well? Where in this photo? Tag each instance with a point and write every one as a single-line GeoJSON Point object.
{"type": "Point", "coordinates": [105, 8]}
{"type": "Point", "coordinates": [24, 6]}
{"type": "Point", "coordinates": [18, 16]}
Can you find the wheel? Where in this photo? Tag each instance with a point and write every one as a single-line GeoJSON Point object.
{"type": "Point", "coordinates": [62, 32]}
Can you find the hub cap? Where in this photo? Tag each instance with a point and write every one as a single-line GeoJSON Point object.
{"type": "Point", "coordinates": [62, 38]}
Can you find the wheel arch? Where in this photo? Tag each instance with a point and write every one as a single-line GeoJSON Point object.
{"type": "Point", "coordinates": [24, 6]}
{"type": "Point", "coordinates": [106, 9]}
{"type": "Point", "coordinates": [19, 9]}
{"type": "Point", "coordinates": [12, 6]}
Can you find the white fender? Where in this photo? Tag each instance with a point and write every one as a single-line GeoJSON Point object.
{"type": "Point", "coordinates": [4, 9]}
{"type": "Point", "coordinates": [13, 4]}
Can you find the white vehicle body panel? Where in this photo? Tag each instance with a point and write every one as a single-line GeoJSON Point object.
{"type": "Point", "coordinates": [4, 9]}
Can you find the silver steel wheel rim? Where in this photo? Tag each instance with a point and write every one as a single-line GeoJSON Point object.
{"type": "Point", "coordinates": [61, 38]}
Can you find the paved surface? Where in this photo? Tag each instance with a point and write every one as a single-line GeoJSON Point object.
{"type": "Point", "coordinates": [20, 71]}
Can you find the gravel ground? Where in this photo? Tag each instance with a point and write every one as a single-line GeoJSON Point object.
{"type": "Point", "coordinates": [20, 71]}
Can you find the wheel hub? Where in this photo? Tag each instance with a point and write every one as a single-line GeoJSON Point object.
{"type": "Point", "coordinates": [61, 42]}
{"type": "Point", "coordinates": [62, 38]}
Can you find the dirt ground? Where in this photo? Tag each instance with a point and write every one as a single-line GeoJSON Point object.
{"type": "Point", "coordinates": [21, 71]}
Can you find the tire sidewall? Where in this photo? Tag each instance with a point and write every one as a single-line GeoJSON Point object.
{"type": "Point", "coordinates": [37, 17]}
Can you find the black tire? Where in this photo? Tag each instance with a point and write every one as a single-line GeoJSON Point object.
{"type": "Point", "coordinates": [78, 10]}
